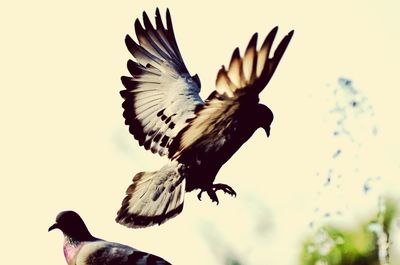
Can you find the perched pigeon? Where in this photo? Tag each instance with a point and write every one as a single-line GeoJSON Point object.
{"type": "Point", "coordinates": [165, 113]}
{"type": "Point", "coordinates": [81, 248]}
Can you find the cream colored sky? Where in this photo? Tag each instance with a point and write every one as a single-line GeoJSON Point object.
{"type": "Point", "coordinates": [64, 144]}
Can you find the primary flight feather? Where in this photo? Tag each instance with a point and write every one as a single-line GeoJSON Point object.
{"type": "Point", "coordinates": [165, 113]}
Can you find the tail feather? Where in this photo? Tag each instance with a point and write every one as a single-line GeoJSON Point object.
{"type": "Point", "coordinates": [153, 198]}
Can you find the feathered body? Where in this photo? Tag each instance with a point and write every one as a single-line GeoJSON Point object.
{"type": "Point", "coordinates": [81, 248]}
{"type": "Point", "coordinates": [202, 160]}
{"type": "Point", "coordinates": [165, 113]}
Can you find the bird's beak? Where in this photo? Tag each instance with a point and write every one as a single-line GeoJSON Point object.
{"type": "Point", "coordinates": [54, 226]}
{"type": "Point", "coordinates": [268, 131]}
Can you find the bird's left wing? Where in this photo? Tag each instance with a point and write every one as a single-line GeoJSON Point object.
{"type": "Point", "coordinates": [161, 95]}
{"type": "Point", "coordinates": [245, 78]}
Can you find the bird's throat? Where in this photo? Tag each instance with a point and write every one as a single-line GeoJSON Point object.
{"type": "Point", "coordinates": [71, 248]}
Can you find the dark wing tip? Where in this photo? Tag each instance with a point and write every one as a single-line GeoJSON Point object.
{"type": "Point", "coordinates": [137, 21]}
{"type": "Point", "coordinates": [124, 78]}
{"type": "Point", "coordinates": [133, 68]}
{"type": "Point", "coordinates": [235, 56]}
{"type": "Point", "coordinates": [128, 40]}
{"type": "Point", "coordinates": [131, 44]}
{"type": "Point", "coordinates": [275, 30]}
{"type": "Point", "coordinates": [253, 40]}
{"type": "Point", "coordinates": [126, 81]}
{"type": "Point", "coordinates": [169, 20]}
{"type": "Point", "coordinates": [282, 46]}
{"type": "Point", "coordinates": [123, 93]}
{"type": "Point", "coordinates": [138, 27]}
{"type": "Point", "coordinates": [252, 43]}
{"type": "Point", "coordinates": [158, 15]}
{"type": "Point", "coordinates": [146, 20]}
{"type": "Point", "coordinates": [221, 71]}
{"type": "Point", "coordinates": [271, 36]}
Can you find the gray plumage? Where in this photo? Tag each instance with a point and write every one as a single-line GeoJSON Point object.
{"type": "Point", "coordinates": [81, 248]}
{"type": "Point", "coordinates": [165, 113]}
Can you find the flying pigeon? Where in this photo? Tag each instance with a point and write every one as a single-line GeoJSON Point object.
{"type": "Point", "coordinates": [166, 115]}
{"type": "Point", "coordinates": [81, 248]}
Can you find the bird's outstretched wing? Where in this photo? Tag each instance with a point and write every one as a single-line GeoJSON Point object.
{"type": "Point", "coordinates": [245, 78]}
{"type": "Point", "coordinates": [161, 95]}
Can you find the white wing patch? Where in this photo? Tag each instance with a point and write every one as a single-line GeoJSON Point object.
{"type": "Point", "coordinates": [160, 96]}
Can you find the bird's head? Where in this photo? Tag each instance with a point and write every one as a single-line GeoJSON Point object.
{"type": "Point", "coordinates": [265, 118]}
{"type": "Point", "coordinates": [72, 225]}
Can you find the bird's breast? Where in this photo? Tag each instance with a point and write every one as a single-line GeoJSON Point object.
{"type": "Point", "coordinates": [70, 250]}
{"type": "Point", "coordinates": [203, 161]}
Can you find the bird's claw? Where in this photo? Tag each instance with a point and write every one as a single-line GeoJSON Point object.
{"type": "Point", "coordinates": [214, 188]}
{"type": "Point", "coordinates": [213, 196]}
{"type": "Point", "coordinates": [225, 188]}
{"type": "Point", "coordinates": [199, 195]}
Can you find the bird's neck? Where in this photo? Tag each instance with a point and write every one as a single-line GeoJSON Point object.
{"type": "Point", "coordinates": [71, 248]}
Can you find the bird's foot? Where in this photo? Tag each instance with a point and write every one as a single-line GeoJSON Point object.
{"type": "Point", "coordinates": [212, 192]}
{"type": "Point", "coordinates": [225, 188]}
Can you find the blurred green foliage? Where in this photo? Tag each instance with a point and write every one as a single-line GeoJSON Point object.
{"type": "Point", "coordinates": [232, 261]}
{"type": "Point", "coordinates": [358, 246]}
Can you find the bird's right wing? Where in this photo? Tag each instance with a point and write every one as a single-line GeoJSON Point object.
{"type": "Point", "coordinates": [161, 95]}
{"type": "Point", "coordinates": [240, 85]}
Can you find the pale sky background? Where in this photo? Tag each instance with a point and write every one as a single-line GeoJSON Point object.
{"type": "Point", "coordinates": [64, 144]}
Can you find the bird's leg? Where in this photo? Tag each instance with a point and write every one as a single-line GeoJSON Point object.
{"type": "Point", "coordinates": [225, 188]}
{"type": "Point", "coordinates": [211, 193]}
{"type": "Point", "coordinates": [213, 196]}
{"type": "Point", "coordinates": [199, 195]}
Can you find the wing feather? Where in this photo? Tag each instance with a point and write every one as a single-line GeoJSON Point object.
{"type": "Point", "coordinates": [224, 84]}
{"type": "Point", "coordinates": [263, 54]}
{"type": "Point", "coordinates": [160, 95]}
{"type": "Point", "coordinates": [254, 70]}
{"type": "Point", "coordinates": [240, 85]}
{"type": "Point", "coordinates": [235, 72]}
{"type": "Point", "coordinates": [250, 59]}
